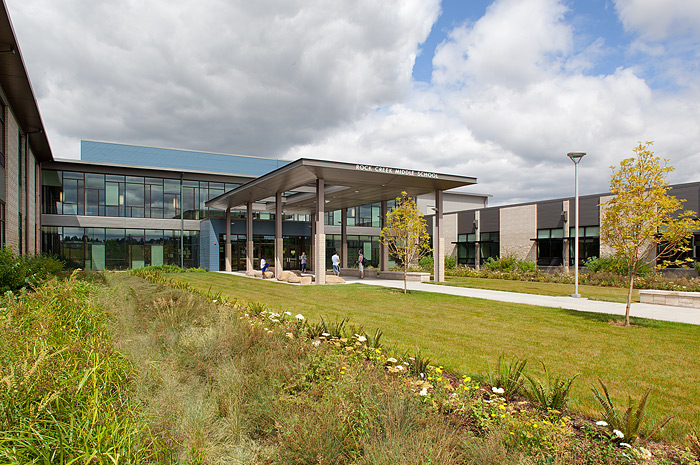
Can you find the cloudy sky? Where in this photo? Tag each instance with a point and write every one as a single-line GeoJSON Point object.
{"type": "Point", "coordinates": [500, 90]}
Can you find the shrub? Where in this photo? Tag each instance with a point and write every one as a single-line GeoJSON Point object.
{"type": "Point", "coordinates": [696, 265]}
{"type": "Point", "coordinates": [616, 266]}
{"type": "Point", "coordinates": [505, 263]}
{"type": "Point", "coordinates": [427, 263]}
{"type": "Point", "coordinates": [510, 263]}
{"type": "Point", "coordinates": [22, 271]}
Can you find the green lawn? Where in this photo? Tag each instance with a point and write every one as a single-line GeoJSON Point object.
{"type": "Point", "coordinates": [609, 294]}
{"type": "Point", "coordinates": [463, 334]}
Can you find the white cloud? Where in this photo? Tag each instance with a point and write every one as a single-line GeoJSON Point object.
{"type": "Point", "coordinates": [510, 99]}
{"type": "Point", "coordinates": [660, 19]}
{"type": "Point", "coordinates": [513, 44]}
{"type": "Point", "coordinates": [511, 92]}
{"type": "Point", "coordinates": [250, 77]}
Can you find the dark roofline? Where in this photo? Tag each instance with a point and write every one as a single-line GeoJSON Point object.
{"type": "Point", "coordinates": [58, 163]}
{"type": "Point", "coordinates": [15, 82]}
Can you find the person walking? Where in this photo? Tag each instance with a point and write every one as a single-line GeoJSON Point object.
{"type": "Point", "coordinates": [263, 267]}
{"type": "Point", "coordinates": [303, 262]}
{"type": "Point", "coordinates": [336, 263]}
{"type": "Point", "coordinates": [361, 264]}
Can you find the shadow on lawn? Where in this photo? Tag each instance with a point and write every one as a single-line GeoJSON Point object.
{"type": "Point", "coordinates": [617, 319]}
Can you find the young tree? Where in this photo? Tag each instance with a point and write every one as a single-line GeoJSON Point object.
{"type": "Point", "coordinates": [405, 233]}
{"type": "Point", "coordinates": [642, 222]}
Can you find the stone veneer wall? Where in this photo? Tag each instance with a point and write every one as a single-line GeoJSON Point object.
{"type": "Point", "coordinates": [16, 195]}
{"type": "Point", "coordinates": [605, 250]}
{"type": "Point", "coordinates": [449, 223]}
{"type": "Point", "coordinates": [518, 227]}
{"type": "Point", "coordinates": [11, 182]}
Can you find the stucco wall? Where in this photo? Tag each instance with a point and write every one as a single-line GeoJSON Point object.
{"type": "Point", "coordinates": [518, 227]}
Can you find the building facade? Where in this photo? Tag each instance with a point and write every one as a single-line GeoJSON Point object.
{"type": "Point", "coordinates": [23, 146]}
{"type": "Point", "coordinates": [544, 231]}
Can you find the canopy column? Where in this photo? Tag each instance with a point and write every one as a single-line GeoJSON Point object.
{"type": "Point", "coordinates": [344, 238]}
{"type": "Point", "coordinates": [439, 240]}
{"type": "Point", "coordinates": [383, 248]}
{"type": "Point", "coordinates": [477, 235]}
{"type": "Point", "coordinates": [320, 237]}
{"type": "Point", "coordinates": [249, 237]}
{"type": "Point", "coordinates": [227, 247]}
{"type": "Point", "coordinates": [312, 247]}
{"type": "Point", "coordinates": [279, 244]}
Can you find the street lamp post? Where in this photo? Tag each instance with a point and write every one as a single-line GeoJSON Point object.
{"type": "Point", "coordinates": [576, 158]}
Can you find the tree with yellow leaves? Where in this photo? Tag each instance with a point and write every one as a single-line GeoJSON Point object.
{"type": "Point", "coordinates": [405, 233]}
{"type": "Point", "coordinates": [642, 222]}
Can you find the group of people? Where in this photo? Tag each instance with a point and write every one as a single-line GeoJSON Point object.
{"type": "Point", "coordinates": [335, 259]}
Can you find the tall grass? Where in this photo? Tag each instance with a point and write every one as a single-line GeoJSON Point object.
{"type": "Point", "coordinates": [64, 392]}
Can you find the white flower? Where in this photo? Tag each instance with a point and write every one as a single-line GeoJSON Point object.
{"type": "Point", "coordinates": [497, 390]}
{"type": "Point", "coordinates": [601, 423]}
{"type": "Point", "coordinates": [362, 338]}
{"type": "Point", "coordinates": [391, 360]}
{"type": "Point", "coordinates": [325, 334]}
{"type": "Point", "coordinates": [316, 343]}
{"type": "Point", "coordinates": [214, 301]}
{"type": "Point", "coordinates": [299, 316]}
{"type": "Point", "coordinates": [424, 392]}
{"type": "Point", "coordinates": [401, 368]}
{"type": "Point", "coordinates": [618, 433]}
{"type": "Point", "coordinates": [646, 453]}
{"type": "Point", "coordinates": [624, 444]}
{"type": "Point", "coordinates": [288, 313]}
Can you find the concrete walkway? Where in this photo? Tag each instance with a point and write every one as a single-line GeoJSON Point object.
{"type": "Point", "coordinates": [650, 311]}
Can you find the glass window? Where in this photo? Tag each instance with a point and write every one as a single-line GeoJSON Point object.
{"type": "Point", "coordinates": [94, 181]}
{"type": "Point", "coordinates": [171, 186]}
{"type": "Point", "coordinates": [112, 194]}
{"type": "Point", "coordinates": [134, 195]}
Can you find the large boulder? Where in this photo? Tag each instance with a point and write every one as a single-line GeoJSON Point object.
{"type": "Point", "coordinates": [300, 279]}
{"type": "Point", "coordinates": [333, 279]}
{"type": "Point", "coordinates": [285, 275]}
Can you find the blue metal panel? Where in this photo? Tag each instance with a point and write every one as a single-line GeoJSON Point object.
{"type": "Point", "coordinates": [208, 246]}
{"type": "Point", "coordinates": [183, 160]}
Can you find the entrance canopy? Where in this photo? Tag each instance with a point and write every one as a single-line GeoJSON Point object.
{"type": "Point", "coordinates": [346, 185]}
{"type": "Point", "coordinates": [316, 186]}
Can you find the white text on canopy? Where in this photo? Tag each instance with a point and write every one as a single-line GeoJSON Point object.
{"type": "Point", "coordinates": [384, 169]}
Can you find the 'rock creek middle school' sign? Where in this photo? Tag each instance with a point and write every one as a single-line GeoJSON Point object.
{"type": "Point", "coordinates": [384, 169]}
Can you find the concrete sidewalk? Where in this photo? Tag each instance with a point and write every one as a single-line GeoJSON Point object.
{"type": "Point", "coordinates": [651, 311]}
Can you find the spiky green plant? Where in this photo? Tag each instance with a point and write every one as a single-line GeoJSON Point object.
{"type": "Point", "coordinates": [552, 393]}
{"type": "Point", "coordinates": [628, 421]}
{"type": "Point", "coordinates": [508, 376]}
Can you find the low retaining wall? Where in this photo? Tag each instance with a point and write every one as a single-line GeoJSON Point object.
{"type": "Point", "coordinates": [675, 298]}
{"type": "Point", "coordinates": [413, 276]}
{"type": "Point", "coordinates": [355, 272]}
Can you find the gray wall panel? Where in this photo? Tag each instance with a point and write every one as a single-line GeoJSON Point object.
{"type": "Point", "coordinates": [590, 211]}
{"type": "Point", "coordinates": [549, 214]}
{"type": "Point", "coordinates": [490, 220]}
{"type": "Point", "coordinates": [691, 195]}
{"type": "Point", "coordinates": [465, 222]}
